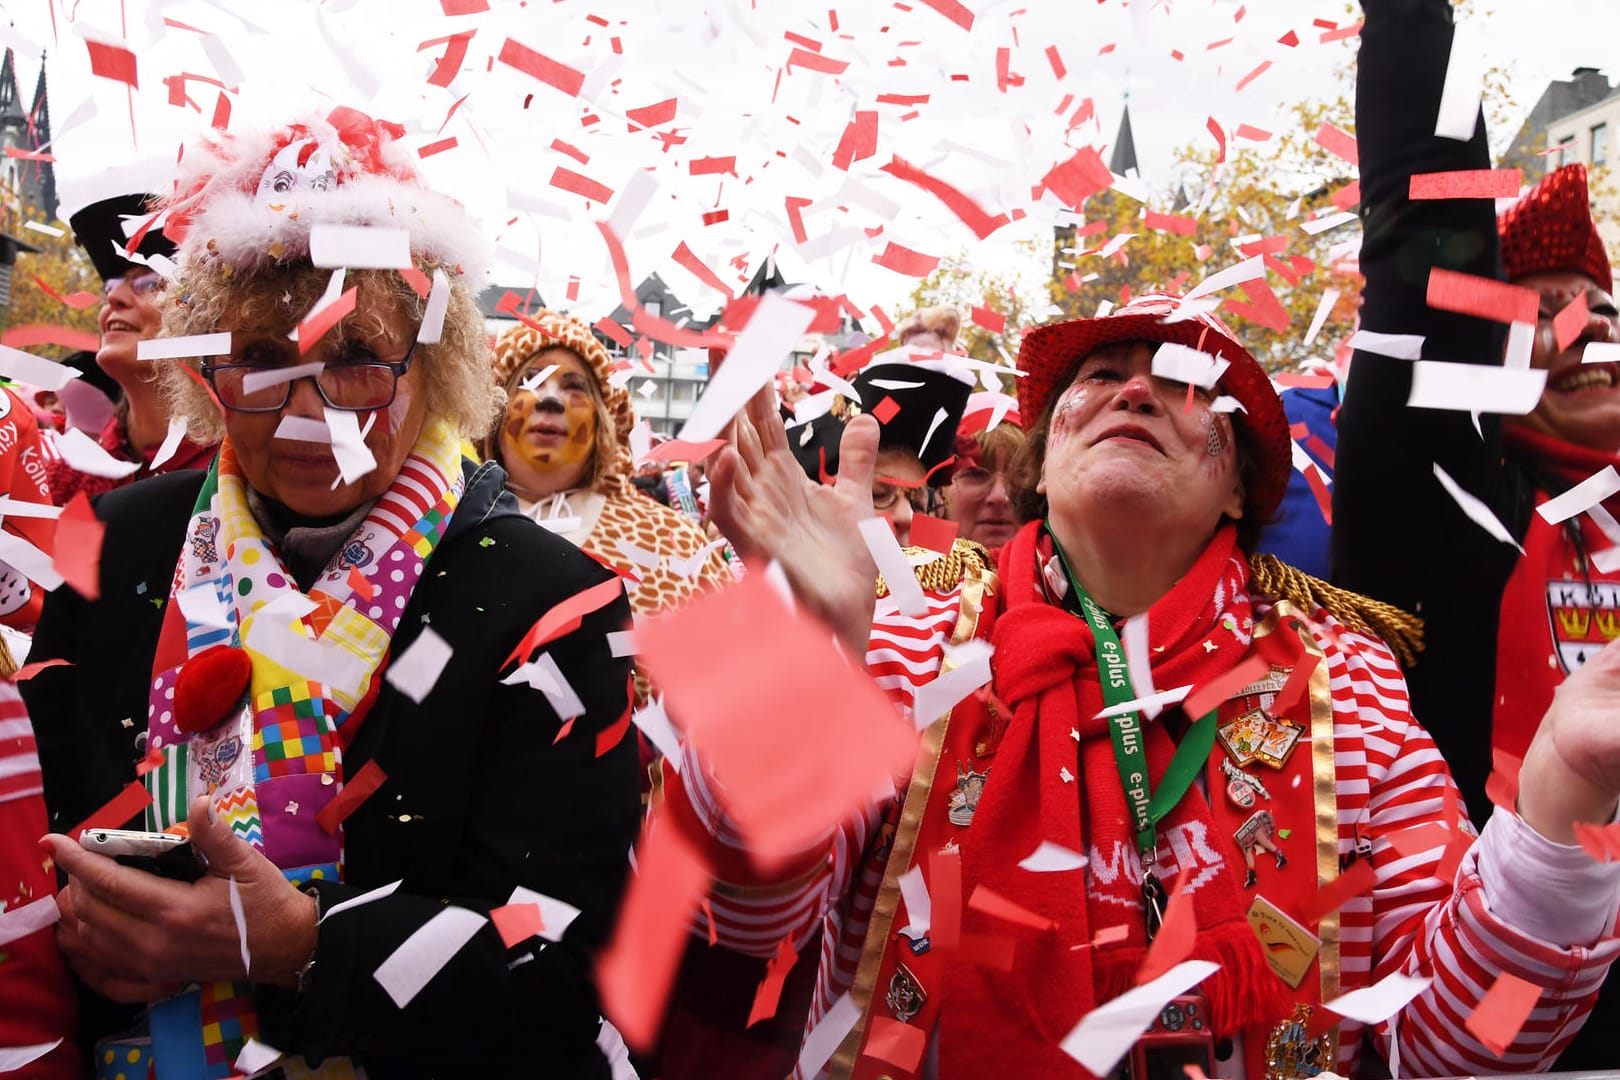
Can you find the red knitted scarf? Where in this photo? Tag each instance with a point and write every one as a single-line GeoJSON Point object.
{"type": "Point", "coordinates": [998, 1021]}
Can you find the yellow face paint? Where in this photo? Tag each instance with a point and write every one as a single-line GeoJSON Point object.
{"type": "Point", "coordinates": [551, 426]}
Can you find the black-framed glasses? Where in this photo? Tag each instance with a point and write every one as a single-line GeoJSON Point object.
{"type": "Point", "coordinates": [346, 385]}
{"type": "Point", "coordinates": [143, 283]}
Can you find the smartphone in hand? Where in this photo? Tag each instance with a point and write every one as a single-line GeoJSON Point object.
{"type": "Point", "coordinates": [163, 854]}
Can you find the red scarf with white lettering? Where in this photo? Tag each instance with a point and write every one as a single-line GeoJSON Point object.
{"type": "Point", "coordinates": [1047, 675]}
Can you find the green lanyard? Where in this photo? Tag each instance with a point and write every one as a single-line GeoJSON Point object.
{"type": "Point", "coordinates": [1148, 807]}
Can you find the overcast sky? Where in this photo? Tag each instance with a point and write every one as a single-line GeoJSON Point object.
{"type": "Point", "coordinates": [991, 136]}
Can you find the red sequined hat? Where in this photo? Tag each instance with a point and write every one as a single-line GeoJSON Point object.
{"type": "Point", "coordinates": [1551, 228]}
{"type": "Point", "coordinates": [1050, 353]}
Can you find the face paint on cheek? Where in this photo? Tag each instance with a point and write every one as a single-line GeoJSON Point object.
{"type": "Point", "coordinates": [1217, 441]}
{"type": "Point", "coordinates": [581, 434]}
{"type": "Point", "coordinates": [1067, 413]}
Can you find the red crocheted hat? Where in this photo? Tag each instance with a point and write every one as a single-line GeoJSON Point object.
{"type": "Point", "coordinates": [1050, 353]}
{"type": "Point", "coordinates": [1551, 228]}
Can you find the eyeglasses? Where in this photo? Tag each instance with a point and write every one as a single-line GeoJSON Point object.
{"type": "Point", "coordinates": [886, 497]}
{"type": "Point", "coordinates": [143, 284]}
{"type": "Point", "coordinates": [347, 385]}
{"type": "Point", "coordinates": [974, 480]}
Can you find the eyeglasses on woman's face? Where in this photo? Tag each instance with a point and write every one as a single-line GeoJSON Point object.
{"type": "Point", "coordinates": [886, 497]}
{"type": "Point", "coordinates": [140, 282]}
{"type": "Point", "coordinates": [354, 380]}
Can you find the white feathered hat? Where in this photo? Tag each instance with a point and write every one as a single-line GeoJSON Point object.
{"type": "Point", "coordinates": [250, 200]}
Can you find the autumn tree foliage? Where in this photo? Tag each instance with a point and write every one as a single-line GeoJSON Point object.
{"type": "Point", "coordinates": [60, 267]}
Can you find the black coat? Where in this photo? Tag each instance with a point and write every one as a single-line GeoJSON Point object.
{"type": "Point", "coordinates": [478, 797]}
{"type": "Point", "coordinates": [1397, 534]}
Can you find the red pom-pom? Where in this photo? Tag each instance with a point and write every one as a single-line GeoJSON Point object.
{"type": "Point", "coordinates": [209, 686]}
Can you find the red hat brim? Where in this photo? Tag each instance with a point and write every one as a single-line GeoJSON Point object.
{"type": "Point", "coordinates": [1049, 354]}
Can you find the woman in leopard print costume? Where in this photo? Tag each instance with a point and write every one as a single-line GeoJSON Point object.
{"type": "Point", "coordinates": [565, 445]}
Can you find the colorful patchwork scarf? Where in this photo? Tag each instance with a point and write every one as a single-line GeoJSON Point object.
{"type": "Point", "coordinates": [274, 761]}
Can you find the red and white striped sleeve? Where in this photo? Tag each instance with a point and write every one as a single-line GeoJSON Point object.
{"type": "Point", "coordinates": [1447, 930]}
{"type": "Point", "coordinates": [754, 910]}
{"type": "Point", "coordinates": [19, 757]}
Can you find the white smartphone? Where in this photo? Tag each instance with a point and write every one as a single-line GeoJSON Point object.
{"type": "Point", "coordinates": [163, 854]}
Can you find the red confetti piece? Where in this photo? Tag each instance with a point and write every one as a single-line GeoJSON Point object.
{"type": "Point", "coordinates": [1174, 941]}
{"type": "Point", "coordinates": [362, 587]}
{"type": "Point", "coordinates": [1263, 308]}
{"type": "Point", "coordinates": [1356, 881]}
{"type": "Point", "coordinates": [78, 301]}
{"type": "Point", "coordinates": [816, 62]}
{"type": "Point", "coordinates": [455, 54]}
{"type": "Point", "coordinates": [543, 68]}
{"type": "Point", "coordinates": [115, 812]}
{"type": "Point", "coordinates": [447, 143]}
{"type": "Point", "coordinates": [572, 182]}
{"type": "Point", "coordinates": [612, 735]}
{"type": "Point", "coordinates": [1602, 842]}
{"type": "Point", "coordinates": [1500, 1015]}
{"type": "Point", "coordinates": [1220, 139]}
{"type": "Point", "coordinates": [708, 914]}
{"type": "Point", "coordinates": [993, 321]}
{"type": "Point", "coordinates": [886, 410]}
{"type": "Point", "coordinates": [28, 155]}
{"type": "Point", "coordinates": [1253, 75]}
{"type": "Point", "coordinates": [1252, 133]}
{"type": "Point", "coordinates": [683, 450]}
{"type": "Point", "coordinates": [795, 204]}
{"type": "Point", "coordinates": [517, 923]}
{"type": "Point", "coordinates": [464, 7]}
{"type": "Point", "coordinates": [693, 265]}
{"type": "Point", "coordinates": [712, 166]}
{"type": "Point", "coordinates": [28, 671]}
{"type": "Point", "coordinates": [953, 11]}
{"type": "Point", "coordinates": [613, 331]}
{"type": "Point", "coordinates": [112, 62]}
{"type": "Point", "coordinates": [323, 318]}
{"type": "Point", "coordinates": [1081, 176]}
{"type": "Point", "coordinates": [901, 1045]}
{"type": "Point", "coordinates": [222, 113]}
{"type": "Point", "coordinates": [769, 994]}
{"type": "Point", "coordinates": [945, 883]}
{"type": "Point", "coordinates": [902, 260]}
{"type": "Point", "coordinates": [79, 534]}
{"type": "Point", "coordinates": [935, 534]}
{"type": "Point", "coordinates": [1289, 39]}
{"type": "Point", "coordinates": [1347, 196]}
{"type": "Point", "coordinates": [1208, 695]}
{"type": "Point", "coordinates": [715, 217]}
{"type": "Point", "coordinates": [154, 759]}
{"type": "Point", "coordinates": [1467, 184]}
{"type": "Point", "coordinates": [634, 973]}
{"type": "Point", "coordinates": [649, 116]}
{"type": "Point", "coordinates": [1343, 34]}
{"type": "Point", "coordinates": [989, 902]}
{"type": "Point", "coordinates": [565, 618]}
{"type": "Point", "coordinates": [1270, 245]}
{"type": "Point", "coordinates": [1484, 298]}
{"type": "Point", "coordinates": [859, 140]}
{"type": "Point", "coordinates": [418, 281]}
{"type": "Point", "coordinates": [562, 732]}
{"type": "Point", "coordinates": [1337, 141]}
{"type": "Point", "coordinates": [1106, 49]}
{"type": "Point", "coordinates": [1180, 224]}
{"type": "Point", "coordinates": [1212, 46]}
{"type": "Point", "coordinates": [1052, 57]}
{"type": "Point", "coordinates": [967, 211]}
{"type": "Point", "coordinates": [360, 787]}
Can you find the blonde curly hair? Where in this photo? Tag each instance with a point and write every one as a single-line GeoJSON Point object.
{"type": "Point", "coordinates": [611, 464]}
{"type": "Point", "coordinates": [212, 295]}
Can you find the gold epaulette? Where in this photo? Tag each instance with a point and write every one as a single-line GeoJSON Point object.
{"type": "Point", "coordinates": [1402, 632]}
{"type": "Point", "coordinates": [946, 572]}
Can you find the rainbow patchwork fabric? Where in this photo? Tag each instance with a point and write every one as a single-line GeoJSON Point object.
{"type": "Point", "coordinates": [271, 766]}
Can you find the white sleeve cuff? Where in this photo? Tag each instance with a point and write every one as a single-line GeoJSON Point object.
{"type": "Point", "coordinates": [1556, 893]}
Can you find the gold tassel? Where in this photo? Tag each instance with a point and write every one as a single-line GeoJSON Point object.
{"type": "Point", "coordinates": [8, 664]}
{"type": "Point", "coordinates": [1403, 633]}
{"type": "Point", "coordinates": [947, 571]}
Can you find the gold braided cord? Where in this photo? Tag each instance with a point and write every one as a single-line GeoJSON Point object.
{"type": "Point", "coordinates": [1403, 633]}
{"type": "Point", "coordinates": [8, 663]}
{"type": "Point", "coordinates": [947, 571]}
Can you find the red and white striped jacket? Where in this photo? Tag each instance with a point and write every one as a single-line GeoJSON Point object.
{"type": "Point", "coordinates": [1390, 778]}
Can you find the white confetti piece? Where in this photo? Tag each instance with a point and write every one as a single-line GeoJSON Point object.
{"type": "Point", "coordinates": [336, 667]}
{"type": "Point", "coordinates": [892, 564]}
{"type": "Point", "coordinates": [183, 348]}
{"type": "Point", "coordinates": [622, 642]}
{"type": "Point", "coordinates": [13, 1058]}
{"type": "Point", "coordinates": [432, 328]}
{"type": "Point", "coordinates": [1582, 497]}
{"type": "Point", "coordinates": [10, 507]}
{"type": "Point", "coordinates": [1050, 858]}
{"type": "Point", "coordinates": [359, 247]}
{"type": "Point", "coordinates": [1477, 511]}
{"type": "Point", "coordinates": [303, 429]}
{"type": "Point", "coordinates": [1521, 345]}
{"type": "Point", "coordinates": [1324, 308]}
{"type": "Point", "coordinates": [1247, 270]}
{"type": "Point", "coordinates": [415, 671]}
{"type": "Point", "coordinates": [1383, 999]}
{"type": "Point", "coordinates": [171, 441]}
{"type": "Point", "coordinates": [919, 904]}
{"type": "Point", "coordinates": [543, 674]}
{"type": "Point", "coordinates": [33, 562]}
{"type": "Point", "coordinates": [88, 456]}
{"type": "Point", "coordinates": [1400, 346]}
{"type": "Point", "coordinates": [382, 892]}
{"type": "Point", "coordinates": [201, 606]}
{"type": "Point", "coordinates": [1323, 224]}
{"type": "Point", "coordinates": [654, 723]}
{"type": "Point", "coordinates": [1458, 114]}
{"type": "Point", "coordinates": [354, 457]}
{"type": "Point", "coordinates": [970, 670]}
{"type": "Point", "coordinates": [420, 957]}
{"type": "Point", "coordinates": [689, 566]}
{"type": "Point", "coordinates": [234, 892]}
{"type": "Point", "coordinates": [642, 557]}
{"type": "Point", "coordinates": [255, 381]}
{"type": "Point", "coordinates": [1106, 1033]}
{"type": "Point", "coordinates": [821, 1040]}
{"type": "Point", "coordinates": [48, 230]}
{"type": "Point", "coordinates": [776, 327]}
{"type": "Point", "coordinates": [32, 917]}
{"type": "Point", "coordinates": [1440, 384]}
{"type": "Point", "coordinates": [1601, 352]}
{"type": "Point", "coordinates": [34, 370]}
{"type": "Point", "coordinates": [256, 1056]}
{"type": "Point", "coordinates": [1151, 705]}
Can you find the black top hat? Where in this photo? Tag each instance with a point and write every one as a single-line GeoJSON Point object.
{"type": "Point", "coordinates": [84, 362]}
{"type": "Point", "coordinates": [923, 411]}
{"type": "Point", "coordinates": [101, 224]}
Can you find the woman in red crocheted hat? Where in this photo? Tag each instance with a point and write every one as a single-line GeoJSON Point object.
{"type": "Point", "coordinates": [1118, 758]}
